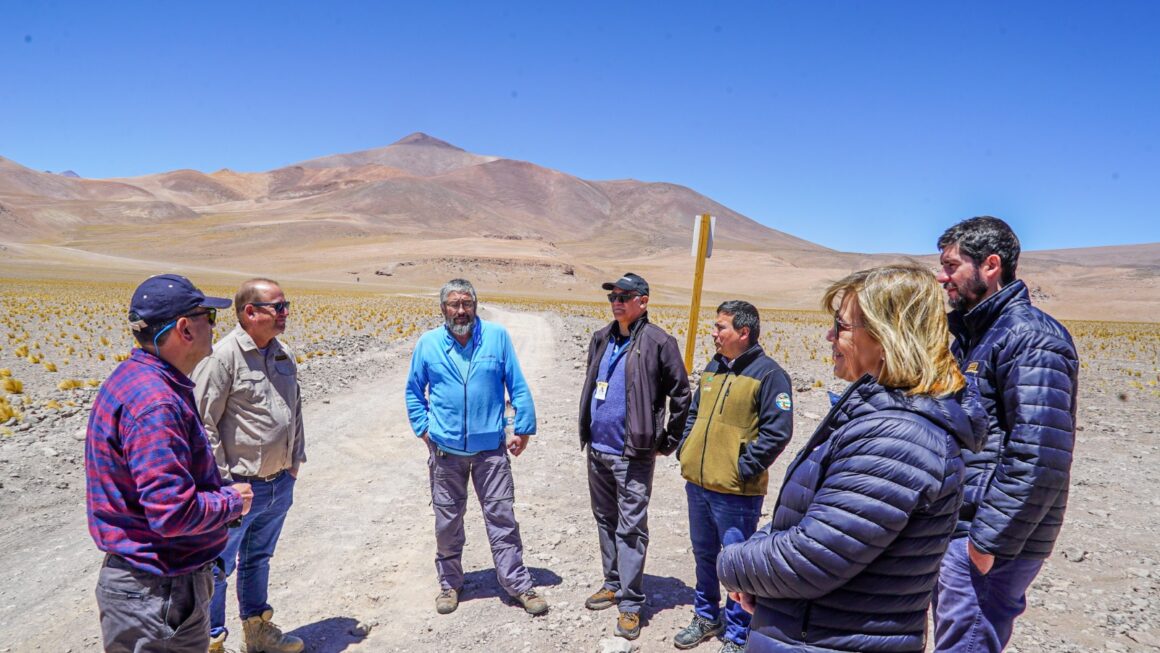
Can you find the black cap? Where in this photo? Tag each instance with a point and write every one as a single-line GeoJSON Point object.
{"type": "Point", "coordinates": [630, 282]}
{"type": "Point", "coordinates": [166, 297]}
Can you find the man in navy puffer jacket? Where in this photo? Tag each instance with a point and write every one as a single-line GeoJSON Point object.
{"type": "Point", "coordinates": [1022, 374]}
{"type": "Point", "coordinates": [854, 572]}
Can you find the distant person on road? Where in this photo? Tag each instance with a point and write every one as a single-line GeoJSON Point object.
{"type": "Point", "coordinates": [456, 402]}
{"type": "Point", "coordinates": [1022, 374]}
{"type": "Point", "coordinates": [249, 400]}
{"type": "Point", "coordinates": [155, 501]}
{"type": "Point", "coordinates": [869, 503]}
{"type": "Point", "coordinates": [741, 419]}
{"type": "Point", "coordinates": [634, 370]}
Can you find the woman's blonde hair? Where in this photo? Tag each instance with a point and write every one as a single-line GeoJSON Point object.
{"type": "Point", "coordinates": [904, 310]}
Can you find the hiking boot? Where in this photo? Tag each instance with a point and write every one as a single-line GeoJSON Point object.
{"type": "Point", "coordinates": [604, 598]}
{"type": "Point", "coordinates": [628, 625]}
{"type": "Point", "coordinates": [218, 644]}
{"type": "Point", "coordinates": [447, 601]}
{"type": "Point", "coordinates": [262, 636]}
{"type": "Point", "coordinates": [732, 647]}
{"type": "Point", "coordinates": [698, 630]}
{"type": "Point", "coordinates": [533, 603]}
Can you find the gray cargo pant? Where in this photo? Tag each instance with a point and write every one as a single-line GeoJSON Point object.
{"type": "Point", "coordinates": [619, 488]}
{"type": "Point", "coordinates": [146, 613]}
{"type": "Point", "coordinates": [491, 476]}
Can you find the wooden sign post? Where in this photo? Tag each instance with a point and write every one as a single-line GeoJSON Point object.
{"type": "Point", "coordinates": [702, 249]}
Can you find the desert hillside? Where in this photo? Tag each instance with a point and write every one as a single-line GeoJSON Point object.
{"type": "Point", "coordinates": [409, 215]}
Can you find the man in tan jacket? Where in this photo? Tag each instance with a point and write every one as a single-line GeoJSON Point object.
{"type": "Point", "coordinates": [248, 397]}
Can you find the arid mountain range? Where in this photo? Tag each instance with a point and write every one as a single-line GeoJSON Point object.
{"type": "Point", "coordinates": [410, 215]}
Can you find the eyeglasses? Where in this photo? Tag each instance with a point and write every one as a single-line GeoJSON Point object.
{"type": "Point", "coordinates": [841, 325]}
{"type": "Point", "coordinates": [279, 307]}
{"type": "Point", "coordinates": [466, 305]}
{"type": "Point", "coordinates": [623, 298]}
{"type": "Point", "coordinates": [209, 313]}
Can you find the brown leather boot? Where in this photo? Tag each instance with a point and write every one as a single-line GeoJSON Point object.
{"type": "Point", "coordinates": [218, 644]}
{"type": "Point", "coordinates": [262, 636]}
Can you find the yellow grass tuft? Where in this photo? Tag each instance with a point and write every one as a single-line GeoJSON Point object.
{"type": "Point", "coordinates": [7, 412]}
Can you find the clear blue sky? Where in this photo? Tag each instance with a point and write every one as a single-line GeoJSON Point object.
{"type": "Point", "coordinates": [863, 126]}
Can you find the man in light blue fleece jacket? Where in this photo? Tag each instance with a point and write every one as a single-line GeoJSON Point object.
{"type": "Point", "coordinates": [455, 400]}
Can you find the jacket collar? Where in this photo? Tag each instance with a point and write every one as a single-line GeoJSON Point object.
{"type": "Point", "coordinates": [633, 329]}
{"type": "Point", "coordinates": [742, 361]}
{"type": "Point", "coordinates": [246, 341]}
{"type": "Point", "coordinates": [476, 334]}
{"type": "Point", "coordinates": [866, 396]}
{"type": "Point", "coordinates": [982, 316]}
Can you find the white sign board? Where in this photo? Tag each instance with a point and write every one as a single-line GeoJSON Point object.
{"type": "Point", "coordinates": [697, 234]}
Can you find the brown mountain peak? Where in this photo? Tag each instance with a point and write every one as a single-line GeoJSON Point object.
{"type": "Point", "coordinates": [425, 140]}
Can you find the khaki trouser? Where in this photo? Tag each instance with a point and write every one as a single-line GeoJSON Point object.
{"type": "Point", "coordinates": [146, 613]}
{"type": "Point", "coordinates": [491, 476]}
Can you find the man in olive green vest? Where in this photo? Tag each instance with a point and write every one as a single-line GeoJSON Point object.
{"type": "Point", "coordinates": [740, 421]}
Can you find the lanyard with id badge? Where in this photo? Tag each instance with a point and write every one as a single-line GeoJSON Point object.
{"type": "Point", "coordinates": [618, 352]}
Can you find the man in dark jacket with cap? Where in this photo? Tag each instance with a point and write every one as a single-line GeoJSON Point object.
{"type": "Point", "coordinates": [155, 501]}
{"type": "Point", "coordinates": [1022, 374]}
{"type": "Point", "coordinates": [634, 369]}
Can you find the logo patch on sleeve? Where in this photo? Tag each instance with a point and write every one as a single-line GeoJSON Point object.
{"type": "Point", "coordinates": [973, 368]}
{"type": "Point", "coordinates": [782, 401]}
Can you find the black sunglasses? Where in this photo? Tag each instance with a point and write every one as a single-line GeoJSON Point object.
{"type": "Point", "coordinates": [841, 325]}
{"type": "Point", "coordinates": [278, 307]}
{"type": "Point", "coordinates": [614, 297]}
{"type": "Point", "coordinates": [209, 313]}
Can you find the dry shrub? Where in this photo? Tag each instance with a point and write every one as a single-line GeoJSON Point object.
{"type": "Point", "coordinates": [7, 412]}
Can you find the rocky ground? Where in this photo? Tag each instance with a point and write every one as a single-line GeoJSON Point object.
{"type": "Point", "coordinates": [354, 568]}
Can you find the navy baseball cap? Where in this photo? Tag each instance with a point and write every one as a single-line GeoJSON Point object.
{"type": "Point", "coordinates": [163, 298]}
{"type": "Point", "coordinates": [630, 282]}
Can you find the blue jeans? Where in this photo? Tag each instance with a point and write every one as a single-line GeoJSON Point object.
{"type": "Point", "coordinates": [973, 612]}
{"type": "Point", "coordinates": [249, 549]}
{"type": "Point", "coordinates": [715, 520]}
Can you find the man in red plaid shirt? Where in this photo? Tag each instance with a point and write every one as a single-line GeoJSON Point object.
{"type": "Point", "coordinates": [156, 504]}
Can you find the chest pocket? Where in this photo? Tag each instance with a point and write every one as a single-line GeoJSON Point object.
{"type": "Point", "coordinates": [486, 365]}
{"type": "Point", "coordinates": [734, 406]}
{"type": "Point", "coordinates": [285, 367]}
{"type": "Point", "coordinates": [251, 387]}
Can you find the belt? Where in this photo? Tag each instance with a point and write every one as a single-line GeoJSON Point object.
{"type": "Point", "coordinates": [238, 478]}
{"type": "Point", "coordinates": [117, 562]}
{"type": "Point", "coordinates": [120, 562]}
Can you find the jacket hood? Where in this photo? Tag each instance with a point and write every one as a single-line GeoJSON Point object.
{"type": "Point", "coordinates": [867, 396]}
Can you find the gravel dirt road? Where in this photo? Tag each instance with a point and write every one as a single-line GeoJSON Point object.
{"type": "Point", "coordinates": [354, 568]}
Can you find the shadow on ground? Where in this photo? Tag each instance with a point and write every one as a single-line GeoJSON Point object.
{"type": "Point", "coordinates": [482, 584]}
{"type": "Point", "coordinates": [664, 593]}
{"type": "Point", "coordinates": [330, 635]}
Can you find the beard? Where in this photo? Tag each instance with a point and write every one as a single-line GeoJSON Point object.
{"type": "Point", "coordinates": [970, 293]}
{"type": "Point", "coordinates": [458, 329]}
